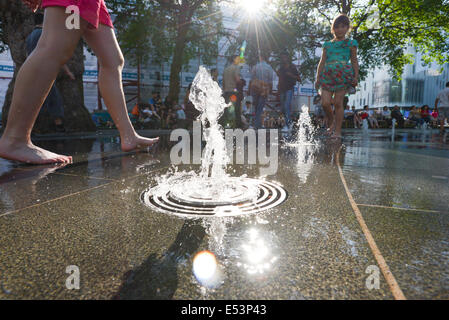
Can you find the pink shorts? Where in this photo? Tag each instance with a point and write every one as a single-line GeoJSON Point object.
{"type": "Point", "coordinates": [93, 11]}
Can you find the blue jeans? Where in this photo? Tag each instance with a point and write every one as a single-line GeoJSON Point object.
{"type": "Point", "coordinates": [259, 103]}
{"type": "Point", "coordinates": [286, 104]}
{"type": "Point", "coordinates": [53, 104]}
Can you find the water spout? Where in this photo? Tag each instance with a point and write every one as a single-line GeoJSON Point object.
{"type": "Point", "coordinates": [206, 96]}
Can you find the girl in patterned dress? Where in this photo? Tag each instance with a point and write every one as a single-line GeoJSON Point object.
{"type": "Point", "coordinates": [337, 72]}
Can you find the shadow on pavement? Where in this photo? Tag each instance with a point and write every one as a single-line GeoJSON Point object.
{"type": "Point", "coordinates": [157, 277]}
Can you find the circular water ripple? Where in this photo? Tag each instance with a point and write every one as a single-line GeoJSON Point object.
{"type": "Point", "coordinates": [193, 205]}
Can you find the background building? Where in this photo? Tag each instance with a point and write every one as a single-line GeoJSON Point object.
{"type": "Point", "coordinates": [419, 86]}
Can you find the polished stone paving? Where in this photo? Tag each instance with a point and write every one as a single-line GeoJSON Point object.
{"type": "Point", "coordinates": [89, 214]}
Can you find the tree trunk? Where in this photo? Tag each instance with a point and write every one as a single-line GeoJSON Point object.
{"type": "Point", "coordinates": [346, 7]}
{"type": "Point", "coordinates": [17, 23]}
{"type": "Point", "coordinates": [177, 61]}
{"type": "Point", "coordinates": [77, 117]}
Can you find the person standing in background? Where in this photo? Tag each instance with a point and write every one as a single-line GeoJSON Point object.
{"type": "Point", "coordinates": [288, 76]}
{"type": "Point", "coordinates": [231, 81]}
{"type": "Point", "coordinates": [261, 86]}
{"type": "Point", "coordinates": [191, 112]}
{"type": "Point", "coordinates": [214, 74]}
{"type": "Point", "coordinates": [238, 104]}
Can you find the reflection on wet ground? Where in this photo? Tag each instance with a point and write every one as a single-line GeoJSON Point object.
{"type": "Point", "coordinates": [89, 214]}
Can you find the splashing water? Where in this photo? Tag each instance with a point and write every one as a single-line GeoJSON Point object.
{"type": "Point", "coordinates": [393, 128]}
{"type": "Point", "coordinates": [212, 186]}
{"type": "Point", "coordinates": [365, 126]}
{"type": "Point", "coordinates": [305, 135]}
{"type": "Point", "coordinates": [305, 144]}
{"type": "Point", "coordinates": [207, 98]}
{"type": "Point", "coordinates": [306, 130]}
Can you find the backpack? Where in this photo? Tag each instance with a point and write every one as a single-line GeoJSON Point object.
{"type": "Point", "coordinates": [259, 87]}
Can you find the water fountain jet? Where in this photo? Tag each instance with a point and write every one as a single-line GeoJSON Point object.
{"type": "Point", "coordinates": [212, 192]}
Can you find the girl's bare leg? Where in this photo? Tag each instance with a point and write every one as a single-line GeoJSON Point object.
{"type": "Point", "coordinates": [326, 101]}
{"type": "Point", "coordinates": [105, 45]}
{"type": "Point", "coordinates": [33, 82]}
{"type": "Point", "coordinates": [339, 112]}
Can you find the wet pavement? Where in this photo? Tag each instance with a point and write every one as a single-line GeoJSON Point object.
{"type": "Point", "coordinates": [89, 214]}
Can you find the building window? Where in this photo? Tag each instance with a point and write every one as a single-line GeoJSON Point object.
{"type": "Point", "coordinates": [395, 91]}
{"type": "Point", "coordinates": [414, 91]}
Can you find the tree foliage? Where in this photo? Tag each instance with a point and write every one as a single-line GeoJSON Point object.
{"type": "Point", "coordinates": [383, 29]}
{"type": "Point", "coordinates": [172, 31]}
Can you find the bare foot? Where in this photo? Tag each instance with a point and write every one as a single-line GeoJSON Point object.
{"type": "Point", "coordinates": [29, 153]}
{"type": "Point", "coordinates": [137, 142]}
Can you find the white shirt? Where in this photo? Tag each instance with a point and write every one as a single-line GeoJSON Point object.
{"type": "Point", "coordinates": [386, 113]}
{"type": "Point", "coordinates": [443, 96]}
{"type": "Point", "coordinates": [262, 71]}
{"type": "Point", "coordinates": [181, 114]}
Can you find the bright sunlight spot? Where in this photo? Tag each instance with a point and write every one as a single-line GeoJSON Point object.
{"type": "Point", "coordinates": [253, 6]}
{"type": "Point", "coordinates": [204, 266]}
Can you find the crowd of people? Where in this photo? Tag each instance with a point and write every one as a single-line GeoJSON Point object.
{"type": "Point", "coordinates": [248, 110]}
{"type": "Point", "coordinates": [413, 117]}
{"type": "Point", "coordinates": [157, 114]}
{"type": "Point", "coordinates": [376, 118]}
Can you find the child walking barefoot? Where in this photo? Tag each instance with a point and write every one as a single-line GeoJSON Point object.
{"type": "Point", "coordinates": [37, 74]}
{"type": "Point", "coordinates": [337, 72]}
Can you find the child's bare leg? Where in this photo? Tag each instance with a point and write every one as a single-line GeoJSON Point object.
{"type": "Point", "coordinates": [326, 100]}
{"type": "Point", "coordinates": [33, 82]}
{"type": "Point", "coordinates": [339, 112]}
{"type": "Point", "coordinates": [104, 44]}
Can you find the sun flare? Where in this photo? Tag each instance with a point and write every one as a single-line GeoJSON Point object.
{"type": "Point", "coordinates": [253, 6]}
